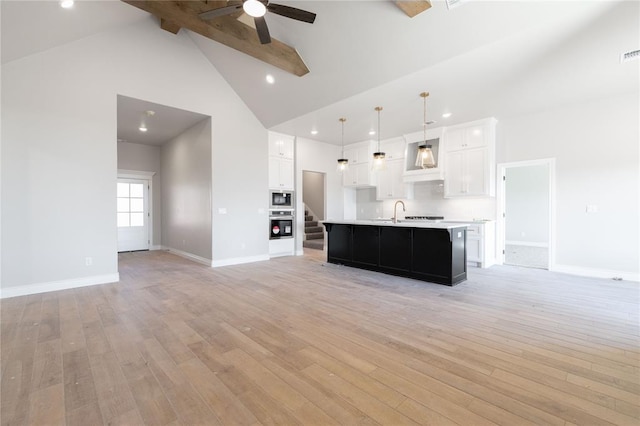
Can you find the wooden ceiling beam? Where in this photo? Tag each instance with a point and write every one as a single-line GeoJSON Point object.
{"type": "Point", "coordinates": [169, 26]}
{"type": "Point", "coordinates": [413, 7]}
{"type": "Point", "coordinates": [225, 29]}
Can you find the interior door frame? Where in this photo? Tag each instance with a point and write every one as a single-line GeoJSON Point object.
{"type": "Point", "coordinates": [147, 177]}
{"type": "Point", "coordinates": [501, 204]}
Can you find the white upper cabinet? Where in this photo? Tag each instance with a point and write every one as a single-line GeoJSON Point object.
{"type": "Point", "coordinates": [281, 146]}
{"type": "Point", "coordinates": [393, 148]}
{"type": "Point", "coordinates": [413, 173]}
{"type": "Point", "coordinates": [280, 173]}
{"type": "Point", "coordinates": [281, 165]}
{"type": "Point", "coordinates": [359, 172]}
{"type": "Point", "coordinates": [470, 159]}
{"type": "Point", "coordinates": [474, 136]}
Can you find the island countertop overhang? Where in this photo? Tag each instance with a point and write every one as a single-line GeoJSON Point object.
{"type": "Point", "coordinates": [399, 224]}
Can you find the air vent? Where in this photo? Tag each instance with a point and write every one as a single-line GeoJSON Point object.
{"type": "Point", "coordinates": [454, 3]}
{"type": "Point", "coordinates": [629, 56]}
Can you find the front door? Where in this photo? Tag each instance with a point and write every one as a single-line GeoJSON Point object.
{"type": "Point", "coordinates": [133, 214]}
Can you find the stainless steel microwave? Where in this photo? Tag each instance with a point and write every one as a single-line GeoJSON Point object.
{"type": "Point", "coordinates": [281, 200]}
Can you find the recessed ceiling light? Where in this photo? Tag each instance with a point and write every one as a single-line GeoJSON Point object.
{"type": "Point", "coordinates": [270, 79]}
{"type": "Point", "coordinates": [314, 132]}
{"type": "Point", "coordinates": [142, 128]}
{"type": "Point", "coordinates": [66, 4]}
{"type": "Point", "coordinates": [372, 132]}
{"type": "Point", "coordinates": [150, 113]}
{"type": "Point", "coordinates": [446, 115]}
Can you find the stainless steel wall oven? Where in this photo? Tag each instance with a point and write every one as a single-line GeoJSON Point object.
{"type": "Point", "coordinates": [280, 224]}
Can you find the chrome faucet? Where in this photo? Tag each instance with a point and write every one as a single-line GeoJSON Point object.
{"type": "Point", "coordinates": [394, 219]}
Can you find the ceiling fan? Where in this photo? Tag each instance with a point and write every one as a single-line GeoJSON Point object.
{"type": "Point", "coordinates": [257, 9]}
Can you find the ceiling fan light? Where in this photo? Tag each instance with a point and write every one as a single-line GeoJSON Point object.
{"type": "Point", "coordinates": [66, 4]}
{"type": "Point", "coordinates": [254, 8]}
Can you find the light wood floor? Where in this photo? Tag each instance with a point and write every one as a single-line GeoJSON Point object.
{"type": "Point", "coordinates": [296, 341]}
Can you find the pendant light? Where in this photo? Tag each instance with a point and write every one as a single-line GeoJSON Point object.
{"type": "Point", "coordinates": [425, 159]}
{"type": "Point", "coordinates": [343, 163]}
{"type": "Point", "coordinates": [378, 157]}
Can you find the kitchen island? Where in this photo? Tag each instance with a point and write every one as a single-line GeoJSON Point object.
{"type": "Point", "coordinates": [434, 252]}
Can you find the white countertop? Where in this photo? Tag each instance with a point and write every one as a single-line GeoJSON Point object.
{"type": "Point", "coordinates": [401, 224]}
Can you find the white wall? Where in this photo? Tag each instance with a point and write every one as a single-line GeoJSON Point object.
{"type": "Point", "coordinates": [186, 191]}
{"type": "Point", "coordinates": [145, 158]}
{"type": "Point", "coordinates": [59, 162]}
{"type": "Point", "coordinates": [596, 146]}
{"type": "Point", "coordinates": [318, 157]}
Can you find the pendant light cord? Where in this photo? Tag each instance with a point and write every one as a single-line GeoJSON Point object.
{"type": "Point", "coordinates": [342, 120]}
{"type": "Point", "coordinates": [424, 123]}
{"type": "Point", "coordinates": [378, 109]}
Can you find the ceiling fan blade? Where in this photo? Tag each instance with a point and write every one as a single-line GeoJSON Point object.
{"type": "Point", "coordinates": [221, 11]}
{"type": "Point", "coordinates": [292, 12]}
{"type": "Point", "coordinates": [263, 31]}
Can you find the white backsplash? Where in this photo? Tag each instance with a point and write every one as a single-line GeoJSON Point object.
{"type": "Point", "coordinates": [428, 200]}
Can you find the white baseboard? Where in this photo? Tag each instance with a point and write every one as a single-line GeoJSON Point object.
{"type": "Point", "coordinates": [596, 273]}
{"type": "Point", "coordinates": [23, 290]}
{"type": "Point", "coordinates": [187, 255]}
{"type": "Point", "coordinates": [526, 243]}
{"type": "Point", "coordinates": [156, 248]}
{"type": "Point", "coordinates": [239, 260]}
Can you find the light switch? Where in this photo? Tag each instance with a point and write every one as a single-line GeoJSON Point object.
{"type": "Point", "coordinates": [592, 208]}
{"type": "Point", "coordinates": [222, 210]}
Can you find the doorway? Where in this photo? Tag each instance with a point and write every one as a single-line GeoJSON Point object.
{"type": "Point", "coordinates": [526, 224]}
{"type": "Point", "coordinates": [313, 199]}
{"type": "Point", "coordinates": [170, 149]}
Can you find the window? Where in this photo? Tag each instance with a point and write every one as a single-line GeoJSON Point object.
{"type": "Point", "coordinates": [130, 204]}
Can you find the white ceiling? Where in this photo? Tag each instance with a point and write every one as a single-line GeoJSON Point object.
{"type": "Point", "coordinates": [480, 59]}
{"type": "Point", "coordinates": [163, 125]}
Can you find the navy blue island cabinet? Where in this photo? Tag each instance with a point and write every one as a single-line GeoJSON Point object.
{"type": "Point", "coordinates": [429, 252]}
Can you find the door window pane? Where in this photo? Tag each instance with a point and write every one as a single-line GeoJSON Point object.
{"type": "Point", "coordinates": [136, 190]}
{"type": "Point", "coordinates": [136, 204]}
{"type": "Point", "coordinates": [123, 205]}
{"type": "Point", "coordinates": [123, 189]}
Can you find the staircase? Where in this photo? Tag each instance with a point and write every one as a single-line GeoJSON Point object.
{"type": "Point", "coordinates": [313, 233]}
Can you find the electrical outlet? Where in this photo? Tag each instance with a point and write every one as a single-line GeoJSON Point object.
{"type": "Point", "coordinates": [88, 261]}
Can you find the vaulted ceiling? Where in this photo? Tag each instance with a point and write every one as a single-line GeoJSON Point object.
{"type": "Point", "coordinates": [482, 58]}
